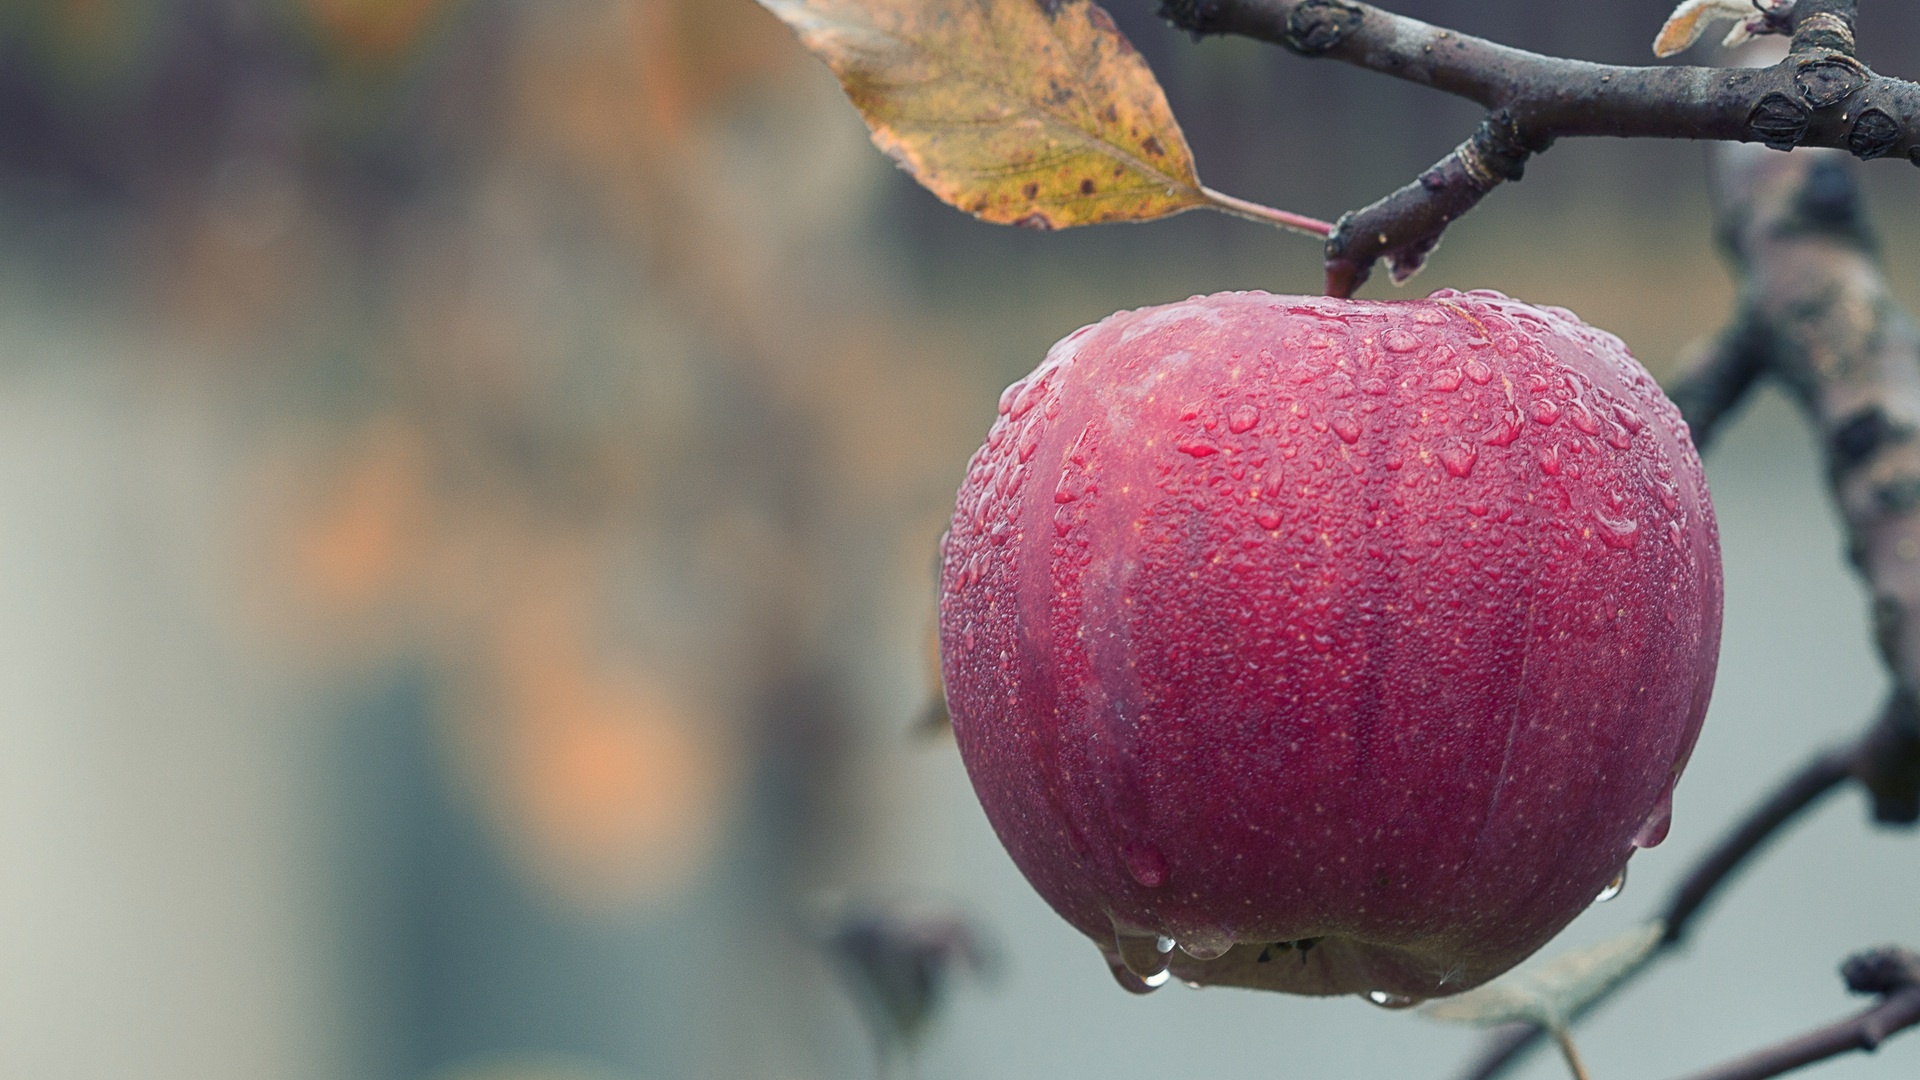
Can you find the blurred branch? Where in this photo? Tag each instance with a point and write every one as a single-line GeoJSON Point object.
{"type": "Point", "coordinates": [1815, 312]}
{"type": "Point", "coordinates": [1819, 95]}
{"type": "Point", "coordinates": [1893, 974]}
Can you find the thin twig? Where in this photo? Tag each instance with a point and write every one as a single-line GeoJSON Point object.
{"type": "Point", "coordinates": [1892, 973]}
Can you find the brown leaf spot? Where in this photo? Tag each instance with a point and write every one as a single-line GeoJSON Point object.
{"type": "Point", "coordinates": [1050, 7]}
{"type": "Point", "coordinates": [1152, 146]}
{"type": "Point", "coordinates": [1086, 187]}
{"type": "Point", "coordinates": [1031, 191]}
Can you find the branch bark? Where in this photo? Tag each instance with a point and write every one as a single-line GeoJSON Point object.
{"type": "Point", "coordinates": [1819, 95]}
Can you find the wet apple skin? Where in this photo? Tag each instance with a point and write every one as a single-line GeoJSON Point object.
{"type": "Point", "coordinates": [1385, 627]}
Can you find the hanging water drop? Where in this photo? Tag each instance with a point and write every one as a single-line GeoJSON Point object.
{"type": "Point", "coordinates": [1391, 1001]}
{"type": "Point", "coordinates": [1613, 888]}
{"type": "Point", "coordinates": [1207, 946]}
{"type": "Point", "coordinates": [1146, 955]}
{"type": "Point", "coordinates": [1654, 829]}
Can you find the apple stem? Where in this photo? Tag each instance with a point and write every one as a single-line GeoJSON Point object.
{"type": "Point", "coordinates": [1253, 211]}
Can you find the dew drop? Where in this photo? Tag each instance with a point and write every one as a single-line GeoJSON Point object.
{"type": "Point", "coordinates": [1659, 822]}
{"type": "Point", "coordinates": [1134, 984]}
{"type": "Point", "coordinates": [1479, 372]}
{"type": "Point", "coordinates": [1545, 411]}
{"type": "Point", "coordinates": [1400, 341]}
{"type": "Point", "coordinates": [1458, 459]}
{"type": "Point", "coordinates": [1618, 437]}
{"type": "Point", "coordinates": [1619, 535]}
{"type": "Point", "coordinates": [1241, 420]}
{"type": "Point", "coordinates": [1145, 955]}
{"type": "Point", "coordinates": [1026, 399]}
{"type": "Point", "coordinates": [1011, 392]}
{"type": "Point", "coordinates": [1584, 420]}
{"type": "Point", "coordinates": [1029, 444]}
{"type": "Point", "coordinates": [1614, 887]}
{"type": "Point", "coordinates": [1198, 449]}
{"type": "Point", "coordinates": [1629, 419]}
{"type": "Point", "coordinates": [1391, 1001]}
{"type": "Point", "coordinates": [1347, 428]}
{"type": "Point", "coordinates": [1507, 431]}
{"type": "Point", "coordinates": [1147, 865]}
{"type": "Point", "coordinates": [1447, 380]}
{"type": "Point", "coordinates": [1267, 519]}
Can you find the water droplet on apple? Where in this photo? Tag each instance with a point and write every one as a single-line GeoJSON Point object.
{"type": "Point", "coordinates": [1550, 460]}
{"type": "Point", "coordinates": [1347, 428]}
{"type": "Point", "coordinates": [1458, 459]}
{"type": "Point", "coordinates": [1659, 822]}
{"type": "Point", "coordinates": [1145, 955]}
{"type": "Point", "coordinates": [1131, 983]}
{"type": "Point", "coordinates": [1027, 398]}
{"type": "Point", "coordinates": [1618, 534]}
{"type": "Point", "coordinates": [1614, 887]}
{"type": "Point", "coordinates": [1207, 946]}
{"type": "Point", "coordinates": [1391, 1001]}
{"type": "Point", "coordinates": [1584, 420]}
{"type": "Point", "coordinates": [1479, 372]}
{"type": "Point", "coordinates": [1241, 420]}
{"type": "Point", "coordinates": [1545, 411]}
{"type": "Point", "coordinates": [1011, 392]}
{"type": "Point", "coordinates": [1398, 340]}
{"type": "Point", "coordinates": [1447, 380]}
{"type": "Point", "coordinates": [1267, 519]}
{"type": "Point", "coordinates": [1146, 864]}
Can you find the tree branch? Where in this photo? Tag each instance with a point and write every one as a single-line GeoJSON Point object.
{"type": "Point", "coordinates": [1820, 95]}
{"type": "Point", "coordinates": [1894, 974]}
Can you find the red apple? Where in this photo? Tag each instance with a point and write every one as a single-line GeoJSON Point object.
{"type": "Point", "coordinates": [1351, 646]}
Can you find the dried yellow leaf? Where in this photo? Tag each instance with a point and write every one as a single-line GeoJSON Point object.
{"type": "Point", "coordinates": [1020, 112]}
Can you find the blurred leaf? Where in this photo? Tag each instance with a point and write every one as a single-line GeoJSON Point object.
{"type": "Point", "coordinates": [375, 32]}
{"type": "Point", "coordinates": [1554, 992]}
{"type": "Point", "coordinates": [1021, 112]}
{"type": "Point", "coordinates": [899, 965]}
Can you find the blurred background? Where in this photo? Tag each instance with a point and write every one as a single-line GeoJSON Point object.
{"type": "Point", "coordinates": [469, 480]}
